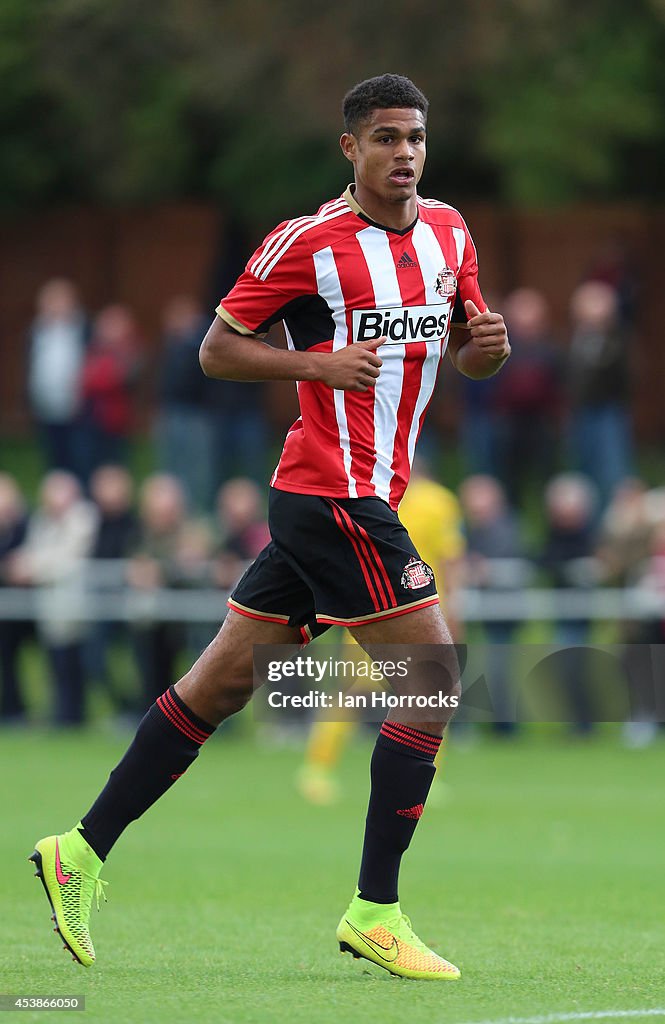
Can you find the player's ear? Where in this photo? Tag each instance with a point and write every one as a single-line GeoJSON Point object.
{"type": "Point", "coordinates": [349, 146]}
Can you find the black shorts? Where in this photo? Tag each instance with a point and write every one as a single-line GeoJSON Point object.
{"type": "Point", "coordinates": [333, 561]}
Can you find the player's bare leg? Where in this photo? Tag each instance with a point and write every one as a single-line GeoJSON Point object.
{"type": "Point", "coordinates": [426, 626]}
{"type": "Point", "coordinates": [373, 926]}
{"type": "Point", "coordinates": [220, 682]}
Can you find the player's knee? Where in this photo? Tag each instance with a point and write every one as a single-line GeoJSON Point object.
{"type": "Point", "coordinates": [240, 690]}
{"type": "Point", "coordinates": [435, 677]}
{"type": "Point", "coordinates": [222, 690]}
{"type": "Point", "coordinates": [233, 693]}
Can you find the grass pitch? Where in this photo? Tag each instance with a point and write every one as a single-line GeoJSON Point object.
{"type": "Point", "coordinates": [540, 873]}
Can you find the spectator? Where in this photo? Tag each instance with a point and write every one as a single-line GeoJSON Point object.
{"type": "Point", "coordinates": [13, 633]}
{"type": "Point", "coordinates": [58, 540]}
{"type": "Point", "coordinates": [243, 528]}
{"type": "Point", "coordinates": [598, 369]}
{"type": "Point", "coordinates": [625, 533]}
{"type": "Point", "coordinates": [494, 554]}
{"type": "Point", "coordinates": [567, 557]}
{"type": "Point", "coordinates": [162, 523]}
{"type": "Point", "coordinates": [193, 568]}
{"type": "Point", "coordinates": [240, 432]}
{"type": "Point", "coordinates": [615, 264]}
{"type": "Point", "coordinates": [185, 424]}
{"type": "Point", "coordinates": [57, 341]}
{"type": "Point", "coordinates": [646, 670]}
{"type": "Point", "coordinates": [433, 517]}
{"type": "Point", "coordinates": [112, 491]}
{"type": "Point", "coordinates": [241, 441]}
{"type": "Point", "coordinates": [527, 397]}
{"type": "Point", "coordinates": [477, 424]}
{"type": "Point", "coordinates": [110, 374]}
{"type": "Point", "coordinates": [477, 418]}
{"type": "Point", "coordinates": [632, 553]}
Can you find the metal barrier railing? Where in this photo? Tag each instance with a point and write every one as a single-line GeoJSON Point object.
{"type": "Point", "coordinates": [97, 590]}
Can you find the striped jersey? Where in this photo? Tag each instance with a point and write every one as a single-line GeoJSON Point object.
{"type": "Point", "coordinates": [337, 278]}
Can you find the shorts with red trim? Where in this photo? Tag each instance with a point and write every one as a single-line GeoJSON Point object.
{"type": "Point", "coordinates": [333, 561]}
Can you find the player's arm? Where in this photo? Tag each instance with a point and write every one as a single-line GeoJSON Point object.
{"type": "Point", "coordinates": [280, 273]}
{"type": "Point", "coordinates": [481, 350]}
{"type": "Point", "coordinates": [229, 355]}
{"type": "Point", "coordinates": [478, 345]}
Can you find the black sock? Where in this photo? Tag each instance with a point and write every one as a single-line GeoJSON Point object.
{"type": "Point", "coordinates": [166, 742]}
{"type": "Point", "coordinates": [402, 770]}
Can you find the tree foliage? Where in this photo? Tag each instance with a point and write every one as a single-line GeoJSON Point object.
{"type": "Point", "coordinates": [575, 95]}
{"type": "Point", "coordinates": [532, 100]}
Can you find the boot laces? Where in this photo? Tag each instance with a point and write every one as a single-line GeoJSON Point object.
{"type": "Point", "coordinates": [97, 888]}
{"type": "Point", "coordinates": [400, 925]}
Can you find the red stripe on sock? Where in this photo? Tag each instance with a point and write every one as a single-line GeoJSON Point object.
{"type": "Point", "coordinates": [404, 737]}
{"type": "Point", "coordinates": [173, 703]}
{"type": "Point", "coordinates": [166, 711]}
{"type": "Point", "coordinates": [412, 745]}
{"type": "Point", "coordinates": [163, 707]}
{"type": "Point", "coordinates": [184, 718]}
{"type": "Point", "coordinates": [182, 714]}
{"type": "Point", "coordinates": [421, 741]}
{"type": "Point", "coordinates": [179, 721]}
{"type": "Point", "coordinates": [426, 737]}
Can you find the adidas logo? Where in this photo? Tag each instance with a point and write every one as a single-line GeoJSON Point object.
{"type": "Point", "coordinates": [405, 262]}
{"type": "Point", "coordinates": [412, 812]}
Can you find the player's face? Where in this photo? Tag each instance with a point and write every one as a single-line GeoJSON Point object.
{"type": "Point", "coordinates": [388, 154]}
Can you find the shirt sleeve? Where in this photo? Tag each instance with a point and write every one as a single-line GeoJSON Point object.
{"type": "Point", "coordinates": [467, 281]}
{"type": "Point", "coordinates": [280, 272]}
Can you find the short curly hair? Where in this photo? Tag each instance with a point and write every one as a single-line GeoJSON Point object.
{"type": "Point", "coordinates": [384, 91]}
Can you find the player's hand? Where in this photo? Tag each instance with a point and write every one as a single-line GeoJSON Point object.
{"type": "Point", "coordinates": [354, 368]}
{"type": "Point", "coordinates": [488, 331]}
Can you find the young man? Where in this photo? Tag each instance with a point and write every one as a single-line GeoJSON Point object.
{"type": "Point", "coordinates": [377, 268]}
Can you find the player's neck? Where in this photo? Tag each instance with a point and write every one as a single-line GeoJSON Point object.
{"type": "Point", "coordinates": [398, 216]}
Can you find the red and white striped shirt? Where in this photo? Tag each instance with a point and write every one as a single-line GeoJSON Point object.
{"type": "Point", "coordinates": [337, 278]}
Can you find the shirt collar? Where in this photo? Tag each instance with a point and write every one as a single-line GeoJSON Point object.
{"type": "Point", "coordinates": [350, 198]}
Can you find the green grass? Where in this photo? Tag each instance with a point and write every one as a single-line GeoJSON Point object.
{"type": "Point", "coordinates": [541, 875]}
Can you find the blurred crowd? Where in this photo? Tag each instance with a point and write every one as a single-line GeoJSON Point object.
{"type": "Point", "coordinates": [561, 402]}
{"type": "Point", "coordinates": [550, 492]}
{"type": "Point", "coordinates": [86, 378]}
{"type": "Point", "coordinates": [73, 547]}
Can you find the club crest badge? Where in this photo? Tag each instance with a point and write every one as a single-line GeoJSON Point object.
{"type": "Point", "coordinates": [446, 283]}
{"type": "Point", "coordinates": [416, 574]}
